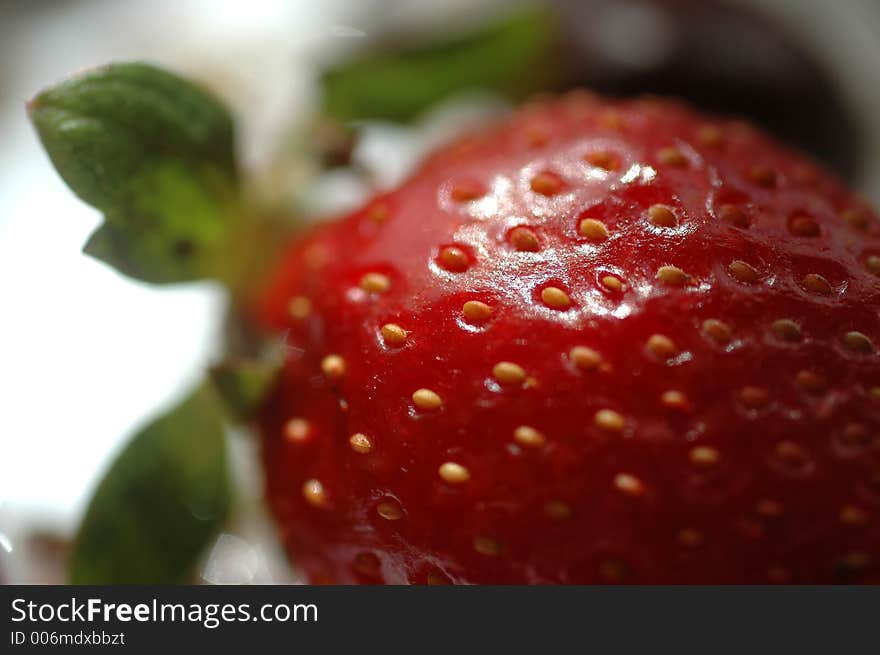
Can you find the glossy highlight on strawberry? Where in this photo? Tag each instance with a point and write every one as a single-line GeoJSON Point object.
{"type": "Point", "coordinates": [598, 342]}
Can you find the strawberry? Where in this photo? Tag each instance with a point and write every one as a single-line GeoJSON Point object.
{"type": "Point", "coordinates": [599, 342]}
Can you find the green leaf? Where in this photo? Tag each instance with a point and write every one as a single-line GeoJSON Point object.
{"type": "Point", "coordinates": [244, 383]}
{"type": "Point", "coordinates": [170, 226]}
{"type": "Point", "coordinates": [513, 57]}
{"type": "Point", "coordinates": [156, 154]}
{"type": "Point", "coordinates": [164, 498]}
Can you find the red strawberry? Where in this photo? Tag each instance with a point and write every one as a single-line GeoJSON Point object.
{"type": "Point", "coordinates": [600, 342]}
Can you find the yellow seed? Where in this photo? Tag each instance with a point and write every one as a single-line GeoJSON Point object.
{"type": "Point", "coordinates": [786, 329]}
{"type": "Point", "coordinates": [453, 259]}
{"type": "Point", "coordinates": [333, 366]}
{"type": "Point", "coordinates": [585, 358]}
{"type": "Point", "coordinates": [754, 397]}
{"type": "Point", "coordinates": [367, 564]}
{"type": "Point", "coordinates": [672, 157]}
{"type": "Point", "coordinates": [873, 264]}
{"type": "Point", "coordinates": [613, 570]}
{"type": "Point", "coordinates": [791, 452]}
{"type": "Point", "coordinates": [316, 256]}
{"type": "Point", "coordinates": [438, 578]}
{"type": "Point", "coordinates": [557, 510]}
{"type": "Point", "coordinates": [857, 342]}
{"type": "Point", "coordinates": [378, 213]}
{"type": "Point", "coordinates": [487, 546]}
{"type": "Point", "coordinates": [856, 434]}
{"type": "Point", "coordinates": [817, 284]}
{"type": "Point", "coordinates": [763, 176]}
{"type": "Point", "coordinates": [629, 485]}
{"type": "Point", "coordinates": [689, 538]}
{"type": "Point", "coordinates": [855, 218]}
{"type": "Point", "coordinates": [593, 229]}
{"type": "Point", "coordinates": [662, 216]}
{"type": "Point", "coordinates": [528, 437]}
{"type": "Point", "coordinates": [297, 430]}
{"type": "Point", "coordinates": [609, 420]}
{"type": "Point", "coordinates": [603, 160]}
{"type": "Point", "coordinates": [674, 399]}
{"type": "Point", "coordinates": [427, 400]}
{"type": "Point", "coordinates": [389, 510]}
{"type": "Point", "coordinates": [555, 297]}
{"type": "Point", "coordinates": [662, 347]}
{"type": "Point", "coordinates": [546, 184]}
{"type": "Point", "coordinates": [579, 104]}
{"type": "Point", "coordinates": [375, 283]}
{"type": "Point", "coordinates": [536, 136]}
{"type": "Point", "coordinates": [524, 239]}
{"type": "Point", "coordinates": [806, 174]}
{"type": "Point", "coordinates": [393, 334]}
{"type": "Point", "coordinates": [466, 191]}
{"type": "Point", "coordinates": [717, 330]}
{"type": "Point", "coordinates": [855, 561]}
{"type": "Point", "coordinates": [810, 381]}
{"type": "Point", "coordinates": [803, 226]}
{"type": "Point", "coordinates": [853, 516]}
{"type": "Point", "coordinates": [300, 307]}
{"type": "Point", "coordinates": [612, 283]}
{"type": "Point", "coordinates": [743, 272]}
{"type": "Point", "coordinates": [704, 456]}
{"type": "Point", "coordinates": [673, 276]}
{"type": "Point", "coordinates": [733, 215]}
{"type": "Point", "coordinates": [769, 509]}
{"type": "Point", "coordinates": [612, 120]}
{"type": "Point", "coordinates": [360, 443]}
{"type": "Point", "coordinates": [778, 575]}
{"type": "Point", "coordinates": [453, 473]}
{"type": "Point", "coordinates": [508, 373]}
{"type": "Point", "coordinates": [711, 135]}
{"type": "Point", "coordinates": [313, 492]}
{"type": "Point", "coordinates": [476, 311]}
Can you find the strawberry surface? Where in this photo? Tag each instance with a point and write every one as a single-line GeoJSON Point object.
{"type": "Point", "coordinates": [597, 342]}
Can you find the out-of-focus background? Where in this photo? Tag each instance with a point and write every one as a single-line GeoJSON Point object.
{"type": "Point", "coordinates": [86, 354]}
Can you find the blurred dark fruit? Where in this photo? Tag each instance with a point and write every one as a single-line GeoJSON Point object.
{"type": "Point", "coordinates": [722, 57]}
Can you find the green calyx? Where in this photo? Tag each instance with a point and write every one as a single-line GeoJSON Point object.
{"type": "Point", "coordinates": [165, 496]}
{"type": "Point", "coordinates": [155, 153]}
{"type": "Point", "coordinates": [244, 384]}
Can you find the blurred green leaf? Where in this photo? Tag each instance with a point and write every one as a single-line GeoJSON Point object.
{"type": "Point", "coordinates": [164, 498]}
{"type": "Point", "coordinates": [513, 57]}
{"type": "Point", "coordinates": [156, 154]}
{"type": "Point", "coordinates": [243, 383]}
{"type": "Point", "coordinates": [169, 227]}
